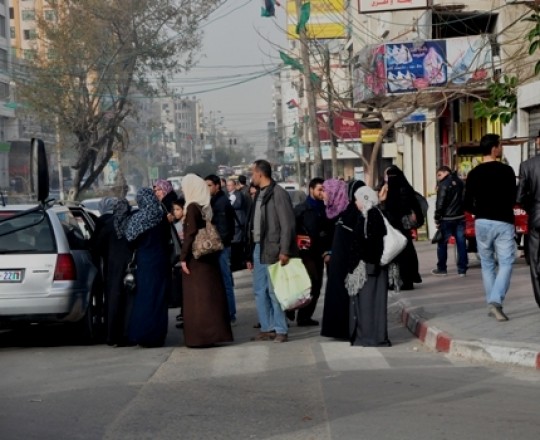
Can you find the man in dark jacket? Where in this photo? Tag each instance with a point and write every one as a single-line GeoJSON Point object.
{"type": "Point", "coordinates": [450, 219]}
{"type": "Point", "coordinates": [528, 197]}
{"type": "Point", "coordinates": [223, 219]}
{"type": "Point", "coordinates": [314, 234]}
{"type": "Point", "coordinates": [271, 230]}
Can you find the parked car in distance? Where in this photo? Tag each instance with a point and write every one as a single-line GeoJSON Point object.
{"type": "Point", "coordinates": [46, 270]}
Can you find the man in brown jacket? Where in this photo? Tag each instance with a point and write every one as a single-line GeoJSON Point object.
{"type": "Point", "coordinates": [271, 231]}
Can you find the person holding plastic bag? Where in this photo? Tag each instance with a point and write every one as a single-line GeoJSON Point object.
{"type": "Point", "coordinates": [272, 239]}
{"type": "Point", "coordinates": [367, 281]}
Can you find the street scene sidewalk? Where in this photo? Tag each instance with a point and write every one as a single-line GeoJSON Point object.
{"type": "Point", "coordinates": [449, 313]}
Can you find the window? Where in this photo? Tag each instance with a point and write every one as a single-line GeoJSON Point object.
{"type": "Point", "coordinates": [11, 13]}
{"type": "Point", "coordinates": [3, 60]}
{"type": "Point", "coordinates": [29, 34]}
{"type": "Point", "coordinates": [12, 32]}
{"type": "Point", "coordinates": [77, 239]}
{"type": "Point", "coordinates": [4, 90]}
{"type": "Point", "coordinates": [28, 15]}
{"type": "Point", "coordinates": [2, 26]}
{"type": "Point", "coordinates": [49, 15]}
{"type": "Point", "coordinates": [32, 233]}
{"type": "Point", "coordinates": [29, 54]}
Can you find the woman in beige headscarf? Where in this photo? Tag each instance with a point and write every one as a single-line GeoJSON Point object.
{"type": "Point", "coordinates": [206, 314]}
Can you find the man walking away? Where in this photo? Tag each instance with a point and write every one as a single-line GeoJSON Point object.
{"type": "Point", "coordinates": [490, 194]}
{"type": "Point", "coordinates": [271, 230]}
{"type": "Point", "coordinates": [243, 187]}
{"type": "Point", "coordinates": [223, 219]}
{"type": "Point", "coordinates": [529, 199]}
{"type": "Point", "coordinates": [314, 235]}
{"type": "Point", "coordinates": [450, 220]}
{"type": "Point", "coordinates": [239, 204]}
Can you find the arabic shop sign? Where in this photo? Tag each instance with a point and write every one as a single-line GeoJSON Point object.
{"type": "Point", "coordinates": [369, 6]}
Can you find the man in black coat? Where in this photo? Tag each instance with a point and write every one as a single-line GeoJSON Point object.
{"type": "Point", "coordinates": [450, 219]}
{"type": "Point", "coordinates": [223, 219]}
{"type": "Point", "coordinates": [314, 237]}
{"type": "Point", "coordinates": [528, 196]}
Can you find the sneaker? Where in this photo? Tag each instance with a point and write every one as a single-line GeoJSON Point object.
{"type": "Point", "coordinates": [462, 275]}
{"type": "Point", "coordinates": [281, 337]}
{"type": "Point", "coordinates": [496, 311]}
{"type": "Point", "coordinates": [439, 272]}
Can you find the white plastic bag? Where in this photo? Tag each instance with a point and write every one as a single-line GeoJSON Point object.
{"type": "Point", "coordinates": [394, 243]}
{"type": "Point", "coordinates": [291, 284]}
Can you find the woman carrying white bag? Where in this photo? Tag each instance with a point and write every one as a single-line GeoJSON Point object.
{"type": "Point", "coordinates": [374, 245]}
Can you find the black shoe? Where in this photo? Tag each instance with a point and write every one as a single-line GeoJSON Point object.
{"type": "Point", "coordinates": [308, 323]}
{"type": "Point", "coordinates": [291, 315]}
{"type": "Point", "coordinates": [407, 286]}
{"type": "Point", "coordinates": [179, 325]}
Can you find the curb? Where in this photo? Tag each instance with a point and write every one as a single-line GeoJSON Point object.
{"type": "Point", "coordinates": [474, 350]}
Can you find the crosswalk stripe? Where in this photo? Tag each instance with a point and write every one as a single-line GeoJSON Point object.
{"type": "Point", "coordinates": [343, 357]}
{"type": "Point", "coordinates": [239, 360]}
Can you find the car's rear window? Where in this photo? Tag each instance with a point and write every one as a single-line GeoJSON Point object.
{"type": "Point", "coordinates": [31, 233]}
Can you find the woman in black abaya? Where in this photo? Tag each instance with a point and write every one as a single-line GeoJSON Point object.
{"type": "Point", "coordinates": [335, 319]}
{"type": "Point", "coordinates": [367, 280]}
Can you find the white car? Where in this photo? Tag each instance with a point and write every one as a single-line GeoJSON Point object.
{"type": "Point", "coordinates": [46, 270]}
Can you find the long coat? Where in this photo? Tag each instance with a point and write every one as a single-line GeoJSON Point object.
{"type": "Point", "coordinates": [206, 313]}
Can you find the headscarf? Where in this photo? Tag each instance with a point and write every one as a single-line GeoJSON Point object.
{"type": "Point", "coordinates": [148, 216]}
{"type": "Point", "coordinates": [369, 199]}
{"type": "Point", "coordinates": [196, 191]}
{"type": "Point", "coordinates": [106, 205]}
{"type": "Point", "coordinates": [399, 191]}
{"type": "Point", "coordinates": [121, 214]}
{"type": "Point", "coordinates": [353, 186]}
{"type": "Point", "coordinates": [164, 185]}
{"type": "Point", "coordinates": [336, 197]}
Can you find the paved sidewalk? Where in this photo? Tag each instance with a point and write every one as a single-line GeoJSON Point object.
{"type": "Point", "coordinates": [449, 313]}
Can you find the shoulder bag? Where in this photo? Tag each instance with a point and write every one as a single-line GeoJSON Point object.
{"type": "Point", "coordinates": [207, 241]}
{"type": "Point", "coordinates": [394, 243]}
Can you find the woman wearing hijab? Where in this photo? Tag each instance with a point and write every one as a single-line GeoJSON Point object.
{"type": "Point", "coordinates": [112, 254]}
{"type": "Point", "coordinates": [206, 313]}
{"type": "Point", "coordinates": [149, 235]}
{"type": "Point", "coordinates": [164, 192]}
{"type": "Point", "coordinates": [340, 206]}
{"type": "Point", "coordinates": [399, 201]}
{"type": "Point", "coordinates": [367, 280]}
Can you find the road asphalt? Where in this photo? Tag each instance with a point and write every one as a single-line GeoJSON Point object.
{"type": "Point", "coordinates": [449, 313]}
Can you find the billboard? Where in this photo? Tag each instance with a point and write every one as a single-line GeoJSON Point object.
{"type": "Point", "coordinates": [345, 126]}
{"type": "Point", "coordinates": [370, 6]}
{"type": "Point", "coordinates": [406, 67]}
{"type": "Point", "coordinates": [328, 19]}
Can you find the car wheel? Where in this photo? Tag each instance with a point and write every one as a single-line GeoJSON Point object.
{"type": "Point", "coordinates": [92, 324]}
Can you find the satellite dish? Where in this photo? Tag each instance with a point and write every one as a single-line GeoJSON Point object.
{"type": "Point", "coordinates": [39, 170]}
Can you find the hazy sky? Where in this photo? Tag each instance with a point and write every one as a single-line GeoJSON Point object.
{"type": "Point", "coordinates": [239, 45]}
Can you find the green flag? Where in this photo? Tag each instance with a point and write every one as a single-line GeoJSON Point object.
{"type": "Point", "coordinates": [304, 17]}
{"type": "Point", "coordinates": [289, 61]}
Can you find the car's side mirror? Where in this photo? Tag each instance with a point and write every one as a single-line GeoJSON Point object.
{"type": "Point", "coordinates": [39, 170]}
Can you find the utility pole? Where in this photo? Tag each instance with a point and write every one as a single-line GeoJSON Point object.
{"type": "Point", "coordinates": [310, 95]}
{"type": "Point", "coordinates": [330, 89]}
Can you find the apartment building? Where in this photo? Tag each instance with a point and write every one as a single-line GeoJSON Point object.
{"type": "Point", "coordinates": [6, 104]}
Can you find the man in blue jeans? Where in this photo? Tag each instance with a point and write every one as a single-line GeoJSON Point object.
{"type": "Point", "coordinates": [490, 194]}
{"type": "Point", "coordinates": [223, 219]}
{"type": "Point", "coordinates": [450, 219]}
{"type": "Point", "coordinates": [271, 235]}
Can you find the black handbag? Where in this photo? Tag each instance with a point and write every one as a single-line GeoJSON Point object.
{"type": "Point", "coordinates": [437, 237]}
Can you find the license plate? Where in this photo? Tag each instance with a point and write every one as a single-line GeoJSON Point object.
{"type": "Point", "coordinates": [11, 276]}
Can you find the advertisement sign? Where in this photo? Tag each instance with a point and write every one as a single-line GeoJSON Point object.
{"type": "Point", "coordinates": [413, 66]}
{"type": "Point", "coordinates": [290, 155]}
{"type": "Point", "coordinates": [370, 6]}
{"type": "Point", "coordinates": [369, 135]}
{"type": "Point", "coordinates": [406, 67]}
{"type": "Point", "coordinates": [328, 19]}
{"type": "Point", "coordinates": [345, 126]}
